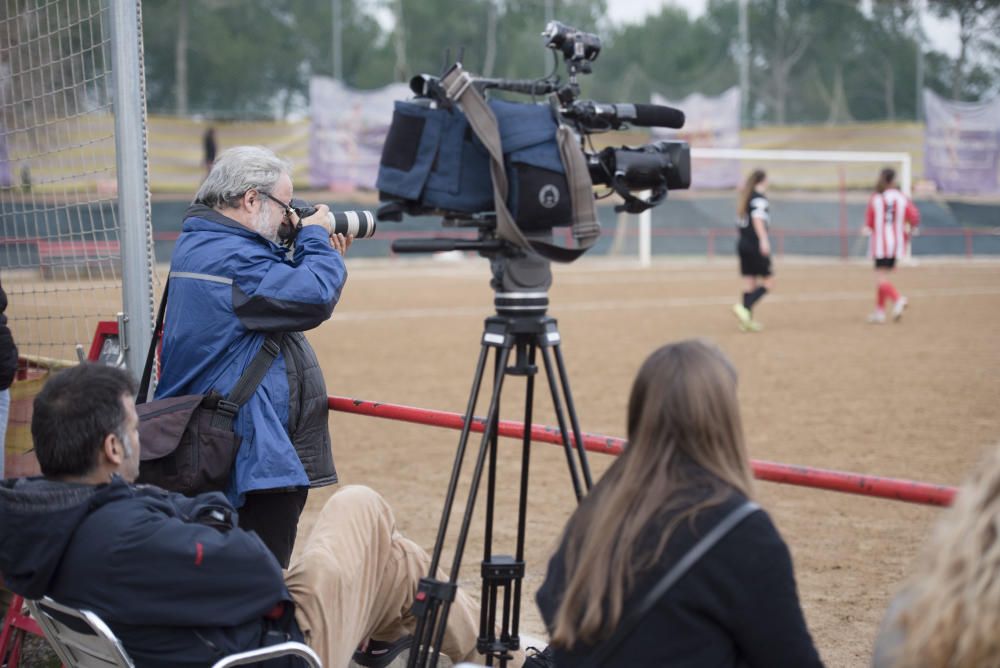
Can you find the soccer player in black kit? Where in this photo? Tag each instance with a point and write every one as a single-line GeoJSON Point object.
{"type": "Point", "coordinates": [754, 247]}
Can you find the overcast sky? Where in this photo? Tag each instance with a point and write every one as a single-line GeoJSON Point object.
{"type": "Point", "coordinates": [942, 34]}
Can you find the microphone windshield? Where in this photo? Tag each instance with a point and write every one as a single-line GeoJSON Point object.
{"type": "Point", "coordinates": [658, 116]}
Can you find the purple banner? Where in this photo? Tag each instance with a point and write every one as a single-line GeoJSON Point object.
{"type": "Point", "coordinates": [712, 122]}
{"type": "Point", "coordinates": [346, 132]}
{"type": "Point", "coordinates": [962, 145]}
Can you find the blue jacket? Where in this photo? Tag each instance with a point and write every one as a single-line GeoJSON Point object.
{"type": "Point", "coordinates": [230, 287]}
{"type": "Point", "coordinates": [174, 579]}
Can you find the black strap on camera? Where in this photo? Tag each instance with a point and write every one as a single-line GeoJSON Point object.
{"type": "Point", "coordinates": [457, 86]}
{"type": "Point", "coordinates": [225, 407]}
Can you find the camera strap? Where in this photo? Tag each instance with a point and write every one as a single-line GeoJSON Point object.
{"type": "Point", "coordinates": [227, 406]}
{"type": "Point", "coordinates": [458, 87]}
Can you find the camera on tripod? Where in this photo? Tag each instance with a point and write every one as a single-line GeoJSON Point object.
{"type": "Point", "coordinates": [523, 166]}
{"type": "Point", "coordinates": [514, 171]}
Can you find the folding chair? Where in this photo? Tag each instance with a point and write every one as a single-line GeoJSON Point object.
{"type": "Point", "coordinates": [82, 640]}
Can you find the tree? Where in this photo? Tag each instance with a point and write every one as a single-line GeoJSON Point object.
{"type": "Point", "coordinates": [978, 27]}
{"type": "Point", "coordinates": [780, 34]}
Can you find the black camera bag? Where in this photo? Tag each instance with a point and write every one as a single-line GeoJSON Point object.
{"type": "Point", "coordinates": [187, 443]}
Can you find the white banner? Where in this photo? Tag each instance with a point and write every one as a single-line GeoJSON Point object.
{"type": "Point", "coordinates": [962, 150]}
{"type": "Point", "coordinates": [346, 132]}
{"type": "Point", "coordinates": [710, 122]}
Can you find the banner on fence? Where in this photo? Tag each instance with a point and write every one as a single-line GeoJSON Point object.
{"type": "Point", "coordinates": [962, 144]}
{"type": "Point", "coordinates": [711, 122]}
{"type": "Point", "coordinates": [346, 132]}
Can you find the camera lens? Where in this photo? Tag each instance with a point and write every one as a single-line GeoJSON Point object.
{"type": "Point", "coordinates": [359, 224]}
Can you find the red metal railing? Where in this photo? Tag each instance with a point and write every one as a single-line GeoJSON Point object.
{"type": "Point", "coordinates": [805, 476]}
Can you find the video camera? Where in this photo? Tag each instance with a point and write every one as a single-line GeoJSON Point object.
{"type": "Point", "coordinates": [438, 157]}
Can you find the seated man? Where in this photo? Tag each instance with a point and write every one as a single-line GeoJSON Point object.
{"type": "Point", "coordinates": [174, 577]}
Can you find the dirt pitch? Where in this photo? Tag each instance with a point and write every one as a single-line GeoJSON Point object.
{"type": "Point", "coordinates": [819, 387]}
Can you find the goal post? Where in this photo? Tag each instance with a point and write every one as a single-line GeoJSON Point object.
{"type": "Point", "coordinates": [836, 159]}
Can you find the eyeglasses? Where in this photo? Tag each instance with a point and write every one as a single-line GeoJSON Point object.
{"type": "Point", "coordinates": [286, 207]}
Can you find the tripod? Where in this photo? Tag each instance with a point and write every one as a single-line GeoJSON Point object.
{"type": "Point", "coordinates": [522, 328]}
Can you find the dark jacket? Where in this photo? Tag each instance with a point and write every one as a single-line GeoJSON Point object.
{"type": "Point", "coordinates": [736, 607]}
{"type": "Point", "coordinates": [170, 575]}
{"type": "Point", "coordinates": [8, 351]}
{"type": "Point", "coordinates": [230, 287]}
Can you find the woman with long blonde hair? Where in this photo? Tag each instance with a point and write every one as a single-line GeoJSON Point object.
{"type": "Point", "coordinates": [684, 473]}
{"type": "Point", "coordinates": [947, 615]}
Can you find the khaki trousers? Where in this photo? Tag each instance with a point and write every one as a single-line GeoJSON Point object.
{"type": "Point", "coordinates": [356, 578]}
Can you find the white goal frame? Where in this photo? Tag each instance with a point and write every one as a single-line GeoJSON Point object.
{"type": "Point", "coordinates": [903, 159]}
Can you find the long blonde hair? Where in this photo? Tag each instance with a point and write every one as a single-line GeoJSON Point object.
{"type": "Point", "coordinates": [743, 203]}
{"type": "Point", "coordinates": [682, 412]}
{"type": "Point", "coordinates": [952, 614]}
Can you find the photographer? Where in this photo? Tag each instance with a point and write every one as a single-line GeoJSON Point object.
{"type": "Point", "coordinates": [232, 284]}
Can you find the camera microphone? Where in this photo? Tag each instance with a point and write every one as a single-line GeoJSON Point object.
{"type": "Point", "coordinates": [655, 116]}
{"type": "Point", "coordinates": [594, 114]}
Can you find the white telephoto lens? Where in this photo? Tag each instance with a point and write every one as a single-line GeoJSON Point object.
{"type": "Point", "coordinates": [359, 224]}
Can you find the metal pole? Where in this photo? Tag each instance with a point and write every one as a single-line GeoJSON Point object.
{"type": "Point", "coordinates": [645, 234]}
{"type": "Point", "coordinates": [744, 62]}
{"type": "Point", "coordinates": [338, 56]}
{"type": "Point", "coordinates": [550, 14]}
{"type": "Point", "coordinates": [790, 474]}
{"type": "Point", "coordinates": [133, 184]}
{"type": "Point", "coordinates": [919, 111]}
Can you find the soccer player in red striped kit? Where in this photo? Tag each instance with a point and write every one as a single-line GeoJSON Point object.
{"type": "Point", "coordinates": [888, 219]}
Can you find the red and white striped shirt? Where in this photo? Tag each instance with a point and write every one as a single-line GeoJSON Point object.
{"type": "Point", "coordinates": [888, 215]}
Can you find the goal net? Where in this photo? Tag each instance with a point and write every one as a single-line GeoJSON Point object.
{"type": "Point", "coordinates": [60, 242]}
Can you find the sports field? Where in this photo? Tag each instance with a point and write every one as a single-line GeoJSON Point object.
{"type": "Point", "coordinates": [819, 387]}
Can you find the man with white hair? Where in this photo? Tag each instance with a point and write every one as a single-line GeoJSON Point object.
{"type": "Point", "coordinates": [231, 285]}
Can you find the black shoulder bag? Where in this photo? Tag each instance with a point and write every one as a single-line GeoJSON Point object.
{"type": "Point", "coordinates": [631, 619]}
{"type": "Point", "coordinates": [188, 442]}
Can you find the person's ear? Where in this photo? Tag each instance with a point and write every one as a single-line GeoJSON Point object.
{"type": "Point", "coordinates": [249, 198]}
{"type": "Point", "coordinates": [114, 449]}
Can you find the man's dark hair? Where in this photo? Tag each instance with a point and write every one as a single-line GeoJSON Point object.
{"type": "Point", "coordinates": [75, 411]}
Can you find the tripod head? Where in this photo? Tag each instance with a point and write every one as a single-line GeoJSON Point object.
{"type": "Point", "coordinates": [520, 280]}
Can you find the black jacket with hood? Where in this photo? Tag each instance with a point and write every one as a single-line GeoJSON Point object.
{"type": "Point", "coordinates": [171, 576]}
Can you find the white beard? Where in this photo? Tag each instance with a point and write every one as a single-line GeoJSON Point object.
{"type": "Point", "coordinates": [262, 223]}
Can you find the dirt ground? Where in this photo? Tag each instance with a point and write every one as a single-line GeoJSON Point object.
{"type": "Point", "coordinates": [819, 387]}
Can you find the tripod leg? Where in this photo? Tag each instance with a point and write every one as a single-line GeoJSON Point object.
{"type": "Point", "coordinates": [487, 606]}
{"type": "Point", "coordinates": [561, 418]}
{"type": "Point", "coordinates": [522, 504]}
{"type": "Point", "coordinates": [574, 420]}
{"type": "Point", "coordinates": [427, 604]}
{"type": "Point", "coordinates": [477, 474]}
